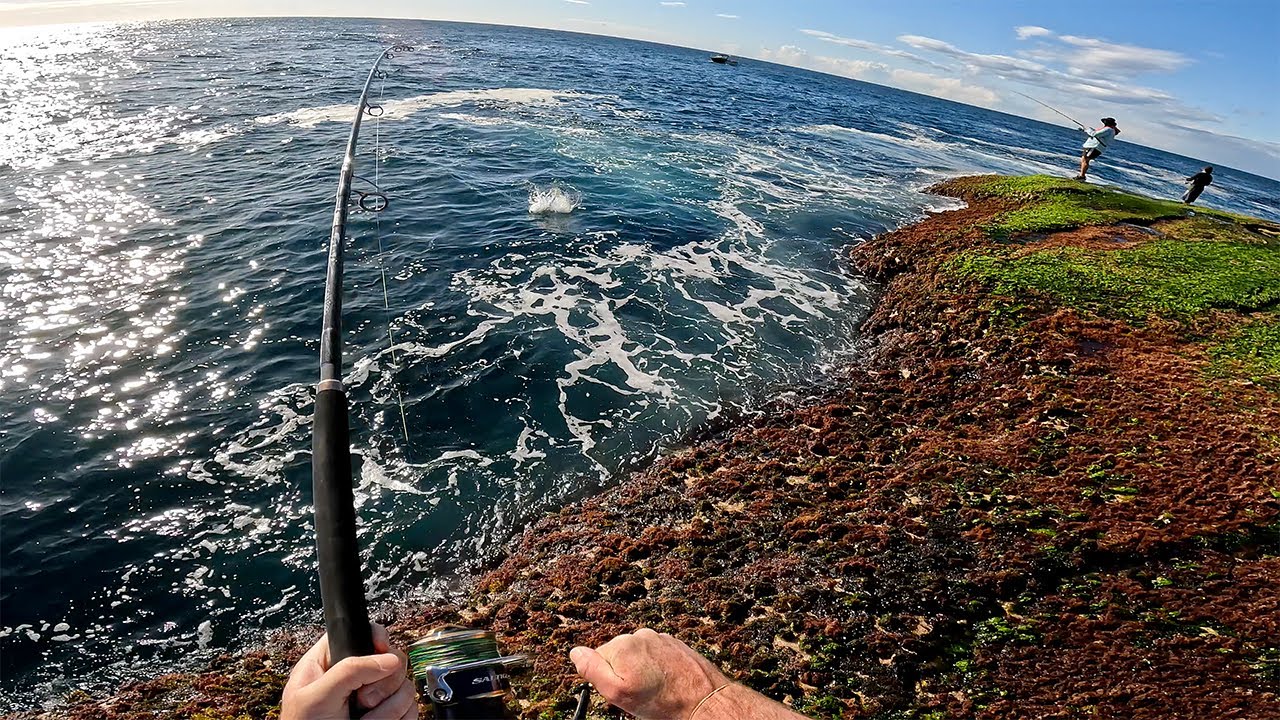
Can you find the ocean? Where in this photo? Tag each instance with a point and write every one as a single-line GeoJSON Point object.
{"type": "Point", "coordinates": [594, 249]}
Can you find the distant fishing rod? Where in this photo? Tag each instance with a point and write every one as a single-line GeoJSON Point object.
{"type": "Point", "coordinates": [1050, 107]}
{"type": "Point", "coordinates": [459, 670]}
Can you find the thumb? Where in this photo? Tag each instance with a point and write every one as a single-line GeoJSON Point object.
{"type": "Point", "coordinates": [354, 673]}
{"type": "Point", "coordinates": [593, 668]}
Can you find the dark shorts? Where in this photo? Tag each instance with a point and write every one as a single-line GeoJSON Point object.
{"type": "Point", "coordinates": [1092, 153]}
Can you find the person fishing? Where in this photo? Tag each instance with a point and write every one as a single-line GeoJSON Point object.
{"type": "Point", "coordinates": [1097, 143]}
{"type": "Point", "coordinates": [649, 675]}
{"type": "Point", "coordinates": [1197, 183]}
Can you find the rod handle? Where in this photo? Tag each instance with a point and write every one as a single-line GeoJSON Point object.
{"type": "Point", "coordinates": [346, 614]}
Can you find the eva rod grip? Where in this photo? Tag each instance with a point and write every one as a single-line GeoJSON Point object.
{"type": "Point", "coordinates": [346, 615]}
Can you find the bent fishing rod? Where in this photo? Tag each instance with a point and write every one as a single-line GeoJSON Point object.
{"type": "Point", "coordinates": [1053, 109]}
{"type": "Point", "coordinates": [459, 670]}
{"type": "Point", "coordinates": [346, 612]}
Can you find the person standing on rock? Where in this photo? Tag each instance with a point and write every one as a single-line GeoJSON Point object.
{"type": "Point", "coordinates": [1197, 183]}
{"type": "Point", "coordinates": [1096, 144]}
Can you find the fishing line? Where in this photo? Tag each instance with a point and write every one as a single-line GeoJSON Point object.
{"type": "Point", "coordinates": [382, 263]}
{"type": "Point", "coordinates": [1077, 122]}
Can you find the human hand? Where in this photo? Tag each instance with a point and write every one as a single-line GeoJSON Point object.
{"type": "Point", "coordinates": [650, 675]}
{"type": "Point", "coordinates": [316, 691]}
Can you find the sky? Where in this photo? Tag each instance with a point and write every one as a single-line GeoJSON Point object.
{"type": "Point", "coordinates": [1197, 78]}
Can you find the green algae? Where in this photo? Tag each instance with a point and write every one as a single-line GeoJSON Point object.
{"type": "Point", "coordinates": [1046, 204]}
{"type": "Point", "coordinates": [823, 707]}
{"type": "Point", "coordinates": [1251, 351]}
{"type": "Point", "coordinates": [1171, 278]}
{"type": "Point", "coordinates": [1195, 263]}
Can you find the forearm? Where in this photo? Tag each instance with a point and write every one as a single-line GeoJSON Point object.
{"type": "Point", "coordinates": [738, 702]}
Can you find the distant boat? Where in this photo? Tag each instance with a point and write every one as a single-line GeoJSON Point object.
{"type": "Point", "coordinates": [723, 60]}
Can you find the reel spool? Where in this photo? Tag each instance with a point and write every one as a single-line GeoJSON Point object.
{"type": "Point", "coordinates": [462, 673]}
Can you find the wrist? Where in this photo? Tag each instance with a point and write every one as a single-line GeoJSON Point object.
{"type": "Point", "coordinates": [708, 699]}
{"type": "Point", "coordinates": [722, 703]}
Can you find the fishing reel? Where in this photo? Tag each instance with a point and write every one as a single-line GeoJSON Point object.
{"type": "Point", "coordinates": [465, 677]}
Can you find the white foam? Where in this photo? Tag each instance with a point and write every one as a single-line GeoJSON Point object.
{"type": "Point", "coordinates": [553, 199]}
{"type": "Point", "coordinates": [401, 109]}
{"type": "Point", "coordinates": [917, 140]}
{"type": "Point", "coordinates": [522, 452]}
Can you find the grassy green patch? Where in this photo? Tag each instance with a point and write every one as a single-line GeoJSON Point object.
{"type": "Point", "coordinates": [997, 630]}
{"type": "Point", "coordinates": [1049, 203]}
{"type": "Point", "coordinates": [1172, 278]}
{"type": "Point", "coordinates": [1252, 351]}
{"type": "Point", "coordinates": [1212, 228]}
{"type": "Point", "coordinates": [823, 706]}
{"type": "Point", "coordinates": [1058, 204]}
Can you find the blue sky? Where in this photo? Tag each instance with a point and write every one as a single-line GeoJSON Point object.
{"type": "Point", "coordinates": [1199, 78]}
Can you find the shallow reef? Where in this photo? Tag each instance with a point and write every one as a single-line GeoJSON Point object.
{"type": "Point", "coordinates": [1050, 489]}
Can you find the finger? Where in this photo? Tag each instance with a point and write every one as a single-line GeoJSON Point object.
{"type": "Point", "coordinates": [354, 673]}
{"type": "Point", "coordinates": [312, 664]}
{"type": "Point", "coordinates": [394, 707]}
{"type": "Point", "coordinates": [593, 668]}
{"type": "Point", "coordinates": [371, 695]}
{"type": "Point", "coordinates": [381, 641]}
{"type": "Point", "coordinates": [412, 713]}
{"type": "Point", "coordinates": [645, 633]}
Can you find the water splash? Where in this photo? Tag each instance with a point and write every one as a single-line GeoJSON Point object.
{"type": "Point", "coordinates": [553, 199]}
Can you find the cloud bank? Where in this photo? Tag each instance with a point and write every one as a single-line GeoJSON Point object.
{"type": "Point", "coordinates": [1070, 71]}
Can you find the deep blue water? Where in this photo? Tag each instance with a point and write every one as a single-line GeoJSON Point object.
{"type": "Point", "coordinates": [167, 191]}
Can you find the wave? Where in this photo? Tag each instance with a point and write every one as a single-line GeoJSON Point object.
{"type": "Point", "coordinates": [919, 141]}
{"type": "Point", "coordinates": [401, 109]}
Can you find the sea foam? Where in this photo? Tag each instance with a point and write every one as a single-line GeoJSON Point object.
{"type": "Point", "coordinates": [553, 199]}
{"type": "Point", "coordinates": [400, 109]}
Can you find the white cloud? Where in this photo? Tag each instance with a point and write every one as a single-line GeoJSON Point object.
{"type": "Point", "coordinates": [1001, 65]}
{"type": "Point", "coordinates": [1256, 156]}
{"type": "Point", "coordinates": [882, 74]}
{"type": "Point", "coordinates": [1027, 31]}
{"type": "Point", "coordinates": [726, 16]}
{"type": "Point", "coordinates": [671, 4]}
{"type": "Point", "coordinates": [1075, 81]}
{"type": "Point", "coordinates": [578, 2]}
{"type": "Point", "coordinates": [1075, 72]}
{"type": "Point", "coordinates": [1086, 77]}
{"type": "Point", "coordinates": [870, 46]}
{"type": "Point", "coordinates": [1091, 55]}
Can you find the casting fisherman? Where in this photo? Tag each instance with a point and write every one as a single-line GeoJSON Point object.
{"type": "Point", "coordinates": [1097, 143]}
{"type": "Point", "coordinates": [1197, 183]}
{"type": "Point", "coordinates": [650, 675]}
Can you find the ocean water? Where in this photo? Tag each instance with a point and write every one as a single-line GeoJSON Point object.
{"type": "Point", "coordinates": [593, 249]}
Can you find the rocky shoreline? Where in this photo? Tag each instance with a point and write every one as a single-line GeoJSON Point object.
{"type": "Point", "coordinates": [1051, 490]}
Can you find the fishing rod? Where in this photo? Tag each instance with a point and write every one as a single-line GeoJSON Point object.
{"type": "Point", "coordinates": [1050, 107]}
{"type": "Point", "coordinates": [459, 670]}
{"type": "Point", "coordinates": [346, 612]}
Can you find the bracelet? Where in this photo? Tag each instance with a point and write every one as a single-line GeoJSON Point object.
{"type": "Point", "coordinates": [704, 700]}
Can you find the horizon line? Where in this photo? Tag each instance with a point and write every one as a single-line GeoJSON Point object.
{"type": "Point", "coordinates": [8, 28]}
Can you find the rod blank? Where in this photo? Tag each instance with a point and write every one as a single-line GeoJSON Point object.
{"type": "Point", "coordinates": [346, 612]}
